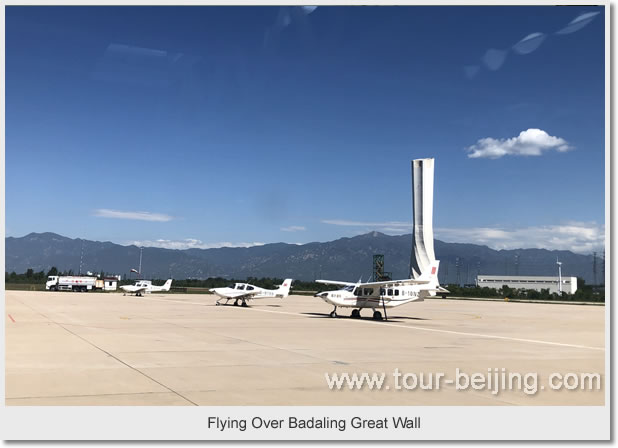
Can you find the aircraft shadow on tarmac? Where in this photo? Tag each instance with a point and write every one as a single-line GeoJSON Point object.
{"type": "Point", "coordinates": [390, 319]}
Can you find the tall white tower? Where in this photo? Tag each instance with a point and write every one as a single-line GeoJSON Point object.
{"type": "Point", "coordinates": [422, 209]}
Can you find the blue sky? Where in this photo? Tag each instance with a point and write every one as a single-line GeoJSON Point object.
{"type": "Point", "coordinates": [209, 126]}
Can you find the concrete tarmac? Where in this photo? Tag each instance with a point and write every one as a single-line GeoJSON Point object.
{"type": "Point", "coordinates": [66, 348]}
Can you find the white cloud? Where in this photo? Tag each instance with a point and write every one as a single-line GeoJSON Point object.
{"type": "Point", "coordinates": [141, 216]}
{"type": "Point", "coordinates": [384, 224]}
{"type": "Point", "coordinates": [578, 237]}
{"type": "Point", "coordinates": [293, 229]}
{"type": "Point", "coordinates": [389, 227]}
{"type": "Point", "coordinates": [532, 142]}
{"type": "Point", "coordinates": [190, 243]}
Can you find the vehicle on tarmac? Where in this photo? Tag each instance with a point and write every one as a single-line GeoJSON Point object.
{"type": "Point", "coordinates": [70, 283]}
{"type": "Point", "coordinates": [242, 292]}
{"type": "Point", "coordinates": [381, 295]}
{"type": "Point", "coordinates": [142, 287]}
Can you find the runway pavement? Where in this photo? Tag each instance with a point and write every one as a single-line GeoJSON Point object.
{"type": "Point", "coordinates": [66, 348]}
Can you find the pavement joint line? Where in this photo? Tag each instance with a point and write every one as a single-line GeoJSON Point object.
{"type": "Point", "coordinates": [109, 354]}
{"type": "Point", "coordinates": [236, 338]}
{"type": "Point", "coordinates": [90, 395]}
{"type": "Point", "coordinates": [11, 317]}
{"type": "Point", "coordinates": [437, 330]}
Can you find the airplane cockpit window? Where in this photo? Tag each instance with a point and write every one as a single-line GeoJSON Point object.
{"type": "Point", "coordinates": [358, 291]}
{"type": "Point", "coordinates": [368, 291]}
{"type": "Point", "coordinates": [240, 287]}
{"type": "Point", "coordinates": [249, 288]}
{"type": "Point", "coordinates": [349, 288]}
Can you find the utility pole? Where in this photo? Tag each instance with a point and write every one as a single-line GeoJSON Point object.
{"type": "Point", "coordinates": [140, 262]}
{"type": "Point", "coordinates": [594, 267]}
{"type": "Point", "coordinates": [81, 258]}
{"type": "Point", "coordinates": [603, 266]}
{"type": "Point", "coordinates": [457, 266]}
{"type": "Point", "coordinates": [559, 275]}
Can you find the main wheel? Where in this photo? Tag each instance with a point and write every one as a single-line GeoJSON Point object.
{"type": "Point", "coordinates": [333, 314]}
{"type": "Point", "coordinates": [377, 315]}
{"type": "Point", "coordinates": [244, 304]}
{"type": "Point", "coordinates": [236, 303]}
{"type": "Point", "coordinates": [355, 314]}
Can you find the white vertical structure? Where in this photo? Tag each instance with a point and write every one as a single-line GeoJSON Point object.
{"type": "Point", "coordinates": [422, 208]}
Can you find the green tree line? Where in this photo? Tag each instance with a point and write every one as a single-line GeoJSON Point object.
{"type": "Point", "coordinates": [584, 293]}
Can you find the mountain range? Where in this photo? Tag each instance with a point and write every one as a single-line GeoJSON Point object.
{"type": "Point", "coordinates": [343, 259]}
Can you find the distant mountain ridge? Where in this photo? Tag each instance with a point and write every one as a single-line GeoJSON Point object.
{"type": "Point", "coordinates": [341, 259]}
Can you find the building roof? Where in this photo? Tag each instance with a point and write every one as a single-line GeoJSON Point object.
{"type": "Point", "coordinates": [530, 278]}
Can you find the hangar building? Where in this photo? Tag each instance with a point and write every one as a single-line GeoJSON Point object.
{"type": "Point", "coordinates": [569, 284]}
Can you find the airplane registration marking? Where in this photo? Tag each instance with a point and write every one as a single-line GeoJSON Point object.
{"type": "Point", "coordinates": [412, 327]}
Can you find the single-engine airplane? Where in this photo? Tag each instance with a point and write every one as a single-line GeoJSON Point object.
{"type": "Point", "coordinates": [386, 294]}
{"type": "Point", "coordinates": [241, 292]}
{"type": "Point", "coordinates": [145, 287]}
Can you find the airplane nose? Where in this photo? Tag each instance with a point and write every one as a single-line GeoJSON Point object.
{"type": "Point", "coordinates": [321, 295]}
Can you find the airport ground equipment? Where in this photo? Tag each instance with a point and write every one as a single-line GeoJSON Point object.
{"type": "Point", "coordinates": [70, 283]}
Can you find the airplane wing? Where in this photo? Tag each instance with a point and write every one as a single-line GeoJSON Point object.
{"type": "Point", "coordinates": [408, 281]}
{"type": "Point", "coordinates": [332, 282]}
{"type": "Point", "coordinates": [242, 295]}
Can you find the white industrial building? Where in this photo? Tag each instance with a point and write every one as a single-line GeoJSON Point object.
{"type": "Point", "coordinates": [569, 284]}
{"type": "Point", "coordinates": [107, 283]}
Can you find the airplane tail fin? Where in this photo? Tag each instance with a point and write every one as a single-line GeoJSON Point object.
{"type": "Point", "coordinates": [433, 288]}
{"type": "Point", "coordinates": [431, 273]}
{"type": "Point", "coordinates": [167, 285]}
{"type": "Point", "coordinates": [284, 289]}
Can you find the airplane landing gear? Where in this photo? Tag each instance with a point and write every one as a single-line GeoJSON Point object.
{"type": "Point", "coordinates": [333, 313]}
{"type": "Point", "coordinates": [244, 304]}
{"type": "Point", "coordinates": [236, 302]}
{"type": "Point", "coordinates": [377, 315]}
{"type": "Point", "coordinates": [355, 314]}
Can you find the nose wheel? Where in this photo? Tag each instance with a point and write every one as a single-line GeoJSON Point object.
{"type": "Point", "coordinates": [333, 313]}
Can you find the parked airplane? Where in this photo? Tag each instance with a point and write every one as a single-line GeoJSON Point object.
{"type": "Point", "coordinates": [386, 294]}
{"type": "Point", "coordinates": [241, 292]}
{"type": "Point", "coordinates": [145, 287]}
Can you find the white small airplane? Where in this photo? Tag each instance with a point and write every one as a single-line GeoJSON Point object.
{"type": "Point", "coordinates": [241, 292]}
{"type": "Point", "coordinates": [145, 287]}
{"type": "Point", "coordinates": [386, 294]}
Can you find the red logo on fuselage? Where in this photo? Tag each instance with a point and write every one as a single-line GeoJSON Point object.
{"type": "Point", "coordinates": [433, 270]}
